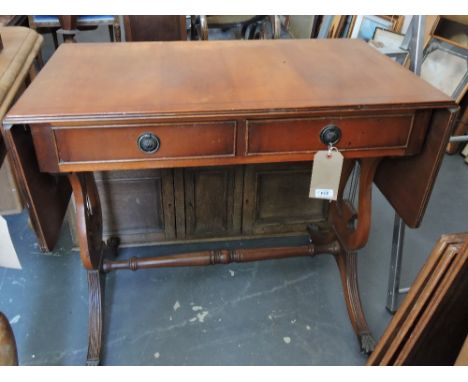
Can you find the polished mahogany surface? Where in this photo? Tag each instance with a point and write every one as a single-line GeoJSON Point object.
{"type": "Point", "coordinates": [188, 77]}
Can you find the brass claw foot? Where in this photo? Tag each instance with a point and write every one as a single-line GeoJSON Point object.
{"type": "Point", "coordinates": [367, 342]}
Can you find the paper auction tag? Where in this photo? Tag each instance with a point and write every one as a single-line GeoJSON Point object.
{"type": "Point", "coordinates": [326, 174]}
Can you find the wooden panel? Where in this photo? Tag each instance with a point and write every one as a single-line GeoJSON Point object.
{"type": "Point", "coordinates": [430, 326]}
{"type": "Point", "coordinates": [213, 201]}
{"type": "Point", "coordinates": [407, 182]}
{"type": "Point", "coordinates": [45, 196]}
{"type": "Point", "coordinates": [303, 134]}
{"type": "Point", "coordinates": [155, 28]}
{"type": "Point", "coordinates": [148, 201]}
{"type": "Point", "coordinates": [460, 125]}
{"type": "Point", "coordinates": [276, 199]}
{"type": "Point", "coordinates": [210, 202]}
{"type": "Point", "coordinates": [213, 142]}
{"type": "Point", "coordinates": [45, 147]}
{"type": "Point", "coordinates": [193, 140]}
{"type": "Point", "coordinates": [179, 200]}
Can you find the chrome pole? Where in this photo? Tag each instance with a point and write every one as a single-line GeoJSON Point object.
{"type": "Point", "coordinates": [395, 264]}
{"type": "Point", "coordinates": [414, 43]}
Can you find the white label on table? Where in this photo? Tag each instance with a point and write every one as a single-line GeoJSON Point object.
{"type": "Point", "coordinates": [323, 193]}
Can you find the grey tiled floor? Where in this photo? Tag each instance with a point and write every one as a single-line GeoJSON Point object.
{"type": "Point", "coordinates": [287, 312]}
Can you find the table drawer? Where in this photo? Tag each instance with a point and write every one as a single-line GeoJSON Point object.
{"type": "Point", "coordinates": [302, 135]}
{"type": "Point", "coordinates": [145, 142]}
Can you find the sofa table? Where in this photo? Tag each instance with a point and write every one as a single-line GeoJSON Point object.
{"type": "Point", "coordinates": [154, 105]}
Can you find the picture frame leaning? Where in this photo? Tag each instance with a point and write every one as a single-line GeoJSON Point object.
{"type": "Point", "coordinates": [445, 66]}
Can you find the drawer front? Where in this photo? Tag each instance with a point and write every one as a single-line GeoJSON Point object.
{"type": "Point", "coordinates": [302, 135]}
{"type": "Point", "coordinates": [126, 143]}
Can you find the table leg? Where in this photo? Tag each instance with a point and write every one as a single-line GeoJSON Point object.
{"type": "Point", "coordinates": [347, 264]}
{"type": "Point", "coordinates": [96, 280]}
{"type": "Point", "coordinates": [92, 252]}
{"type": "Point", "coordinates": [351, 228]}
{"type": "Point", "coordinates": [96, 289]}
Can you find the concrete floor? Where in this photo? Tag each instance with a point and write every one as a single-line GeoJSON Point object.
{"type": "Point", "coordinates": [285, 312]}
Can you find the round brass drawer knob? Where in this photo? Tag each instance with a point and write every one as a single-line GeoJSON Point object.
{"type": "Point", "coordinates": [148, 143]}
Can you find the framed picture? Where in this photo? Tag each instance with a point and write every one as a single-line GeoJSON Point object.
{"type": "Point", "coordinates": [364, 26]}
{"type": "Point", "coordinates": [387, 38]}
{"type": "Point", "coordinates": [331, 26]}
{"type": "Point", "coordinates": [453, 29]}
{"type": "Point", "coordinates": [445, 66]}
{"type": "Point", "coordinates": [348, 26]}
{"type": "Point", "coordinates": [397, 21]}
{"type": "Point", "coordinates": [388, 43]}
{"type": "Point", "coordinates": [301, 26]}
{"type": "Point", "coordinates": [338, 24]}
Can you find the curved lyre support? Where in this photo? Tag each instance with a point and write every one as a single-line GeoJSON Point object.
{"type": "Point", "coordinates": [88, 218]}
{"type": "Point", "coordinates": [342, 213]}
{"type": "Point", "coordinates": [89, 232]}
{"type": "Point", "coordinates": [351, 236]}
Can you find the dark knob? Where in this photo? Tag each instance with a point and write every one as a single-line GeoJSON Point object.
{"type": "Point", "coordinates": [330, 134]}
{"type": "Point", "coordinates": [148, 143]}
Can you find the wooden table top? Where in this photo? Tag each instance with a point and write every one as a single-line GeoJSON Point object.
{"type": "Point", "coordinates": [124, 80]}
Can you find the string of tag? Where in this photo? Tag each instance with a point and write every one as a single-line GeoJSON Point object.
{"type": "Point", "coordinates": [330, 150]}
